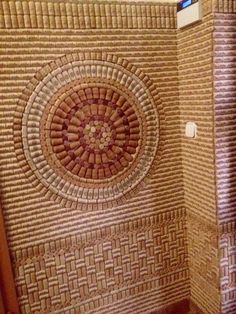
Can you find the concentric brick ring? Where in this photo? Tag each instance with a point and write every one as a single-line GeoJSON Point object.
{"type": "Point", "coordinates": [110, 164]}
{"type": "Point", "coordinates": [94, 138]}
{"type": "Point", "coordinates": [89, 129]}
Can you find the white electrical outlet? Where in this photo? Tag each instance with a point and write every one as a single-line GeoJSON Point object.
{"type": "Point", "coordinates": [191, 130]}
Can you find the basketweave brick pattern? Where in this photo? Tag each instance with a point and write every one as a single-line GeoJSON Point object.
{"type": "Point", "coordinates": [87, 127]}
{"type": "Point", "coordinates": [227, 268]}
{"type": "Point", "coordinates": [204, 271]}
{"type": "Point", "coordinates": [196, 104]}
{"type": "Point", "coordinates": [40, 226]}
{"type": "Point", "coordinates": [225, 112]}
{"type": "Point", "coordinates": [89, 270]}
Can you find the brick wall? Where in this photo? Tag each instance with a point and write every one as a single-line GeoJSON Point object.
{"type": "Point", "coordinates": [196, 104]}
{"type": "Point", "coordinates": [225, 113]}
{"type": "Point", "coordinates": [97, 258]}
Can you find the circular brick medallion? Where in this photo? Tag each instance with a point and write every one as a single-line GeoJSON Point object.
{"type": "Point", "coordinates": [94, 138]}
{"type": "Point", "coordinates": [86, 128]}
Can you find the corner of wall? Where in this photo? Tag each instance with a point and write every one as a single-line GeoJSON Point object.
{"type": "Point", "coordinates": [196, 104]}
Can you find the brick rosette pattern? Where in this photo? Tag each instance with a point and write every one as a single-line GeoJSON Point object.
{"type": "Point", "coordinates": [86, 128]}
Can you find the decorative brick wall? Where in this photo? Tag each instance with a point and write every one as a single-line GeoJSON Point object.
{"type": "Point", "coordinates": [149, 229]}
{"type": "Point", "coordinates": [224, 6]}
{"type": "Point", "coordinates": [196, 104]}
{"type": "Point", "coordinates": [85, 15]}
{"type": "Point", "coordinates": [206, 51]}
{"type": "Point", "coordinates": [225, 114]}
{"type": "Point", "coordinates": [126, 253]}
